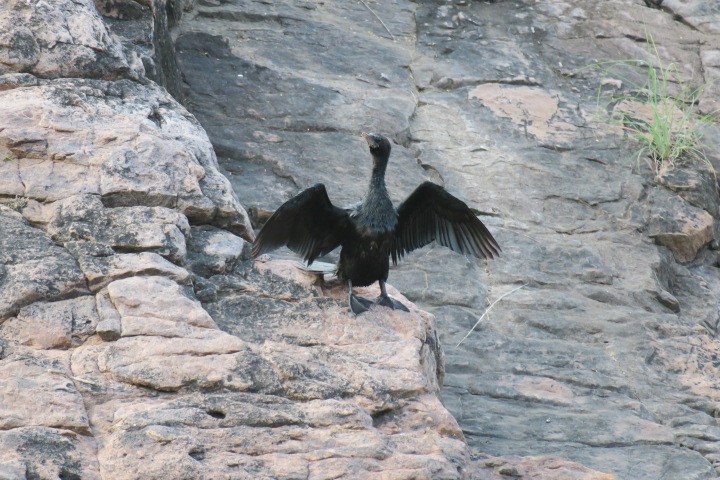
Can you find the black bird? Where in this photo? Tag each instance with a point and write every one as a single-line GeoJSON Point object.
{"type": "Point", "coordinates": [374, 231]}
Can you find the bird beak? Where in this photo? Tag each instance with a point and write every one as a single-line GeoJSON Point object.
{"type": "Point", "coordinates": [369, 139]}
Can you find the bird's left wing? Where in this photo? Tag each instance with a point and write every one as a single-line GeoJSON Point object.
{"type": "Point", "coordinates": [431, 213]}
{"type": "Point", "coordinates": [308, 224]}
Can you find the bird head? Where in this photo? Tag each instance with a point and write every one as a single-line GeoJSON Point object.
{"type": "Point", "coordinates": [379, 146]}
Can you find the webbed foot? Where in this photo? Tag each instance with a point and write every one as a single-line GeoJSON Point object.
{"type": "Point", "coordinates": [359, 305]}
{"type": "Point", "coordinates": [387, 301]}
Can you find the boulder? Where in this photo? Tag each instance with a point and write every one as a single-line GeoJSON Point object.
{"type": "Point", "coordinates": [322, 396]}
{"type": "Point", "coordinates": [32, 267]}
{"type": "Point", "coordinates": [60, 39]}
{"type": "Point", "coordinates": [102, 270]}
{"type": "Point", "coordinates": [679, 226]}
{"type": "Point", "coordinates": [212, 251]}
{"type": "Point", "coordinates": [47, 325]}
{"type": "Point", "coordinates": [131, 144]}
{"type": "Point", "coordinates": [37, 389]}
{"type": "Point", "coordinates": [124, 229]}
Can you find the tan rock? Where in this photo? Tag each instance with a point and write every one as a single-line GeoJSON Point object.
{"type": "Point", "coordinates": [47, 453]}
{"type": "Point", "coordinates": [533, 109]}
{"type": "Point", "coordinates": [109, 327]}
{"type": "Point", "coordinates": [541, 467]}
{"type": "Point", "coordinates": [100, 271]}
{"type": "Point", "coordinates": [316, 439]}
{"type": "Point", "coordinates": [178, 355]}
{"type": "Point", "coordinates": [169, 364]}
{"type": "Point", "coordinates": [348, 403]}
{"type": "Point", "coordinates": [127, 142]}
{"type": "Point", "coordinates": [157, 298]}
{"type": "Point", "coordinates": [95, 385]}
{"type": "Point", "coordinates": [59, 39]}
{"type": "Point", "coordinates": [158, 229]}
{"type": "Point", "coordinates": [37, 390]}
{"type": "Point", "coordinates": [46, 325]}
{"type": "Point", "coordinates": [694, 234]}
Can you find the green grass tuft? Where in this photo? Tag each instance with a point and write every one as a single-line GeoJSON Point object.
{"type": "Point", "coordinates": [659, 115]}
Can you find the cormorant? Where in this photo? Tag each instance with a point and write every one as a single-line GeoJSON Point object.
{"type": "Point", "coordinates": [374, 231]}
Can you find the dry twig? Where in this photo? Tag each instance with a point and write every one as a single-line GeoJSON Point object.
{"type": "Point", "coordinates": [379, 19]}
{"type": "Point", "coordinates": [488, 310]}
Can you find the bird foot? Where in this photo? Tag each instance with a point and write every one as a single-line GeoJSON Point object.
{"type": "Point", "coordinates": [391, 303]}
{"type": "Point", "coordinates": [359, 305]}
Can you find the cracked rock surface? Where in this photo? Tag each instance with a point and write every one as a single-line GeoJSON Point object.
{"type": "Point", "coordinates": [138, 341]}
{"type": "Point", "coordinates": [605, 356]}
{"type": "Point", "coordinates": [136, 338]}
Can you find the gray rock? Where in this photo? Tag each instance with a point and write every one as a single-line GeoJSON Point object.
{"type": "Point", "coordinates": [109, 329]}
{"type": "Point", "coordinates": [32, 267]}
{"type": "Point", "coordinates": [667, 299]}
{"type": "Point", "coordinates": [211, 250]}
{"type": "Point", "coordinates": [710, 58]}
{"type": "Point", "coordinates": [125, 229]}
{"type": "Point", "coordinates": [700, 15]}
{"type": "Point", "coordinates": [677, 225]}
{"type": "Point", "coordinates": [144, 30]}
{"type": "Point", "coordinates": [47, 453]}
{"type": "Point", "coordinates": [265, 138]}
{"type": "Point", "coordinates": [14, 80]}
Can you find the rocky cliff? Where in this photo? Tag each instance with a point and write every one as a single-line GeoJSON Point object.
{"type": "Point", "coordinates": [138, 341]}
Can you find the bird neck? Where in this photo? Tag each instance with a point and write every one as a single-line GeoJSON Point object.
{"type": "Point", "coordinates": [377, 195]}
{"type": "Point", "coordinates": [377, 179]}
{"type": "Point", "coordinates": [376, 213]}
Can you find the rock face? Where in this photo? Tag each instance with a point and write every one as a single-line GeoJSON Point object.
{"type": "Point", "coordinates": [604, 357]}
{"type": "Point", "coordinates": [114, 221]}
{"type": "Point", "coordinates": [138, 341]}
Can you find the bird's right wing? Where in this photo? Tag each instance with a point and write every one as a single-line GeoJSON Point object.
{"type": "Point", "coordinates": [308, 224]}
{"type": "Point", "coordinates": [431, 213]}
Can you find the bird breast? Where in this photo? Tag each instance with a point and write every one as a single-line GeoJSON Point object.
{"type": "Point", "coordinates": [374, 223]}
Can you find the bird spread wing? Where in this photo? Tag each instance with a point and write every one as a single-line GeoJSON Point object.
{"type": "Point", "coordinates": [308, 224]}
{"type": "Point", "coordinates": [431, 213]}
